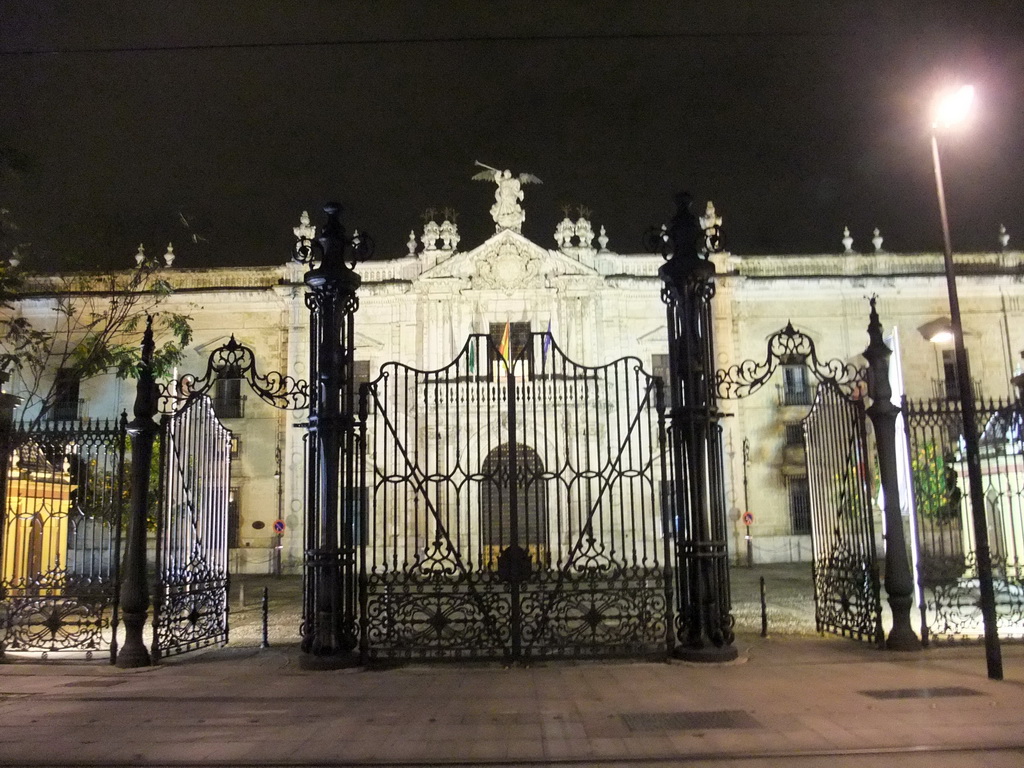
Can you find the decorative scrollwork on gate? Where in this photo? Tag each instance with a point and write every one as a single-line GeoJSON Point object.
{"type": "Point", "coordinates": [746, 378]}
{"type": "Point", "coordinates": [236, 361]}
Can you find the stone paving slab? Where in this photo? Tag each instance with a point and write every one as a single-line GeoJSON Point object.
{"type": "Point", "coordinates": [784, 698]}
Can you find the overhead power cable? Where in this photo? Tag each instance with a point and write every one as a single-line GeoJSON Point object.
{"type": "Point", "coordinates": [384, 41]}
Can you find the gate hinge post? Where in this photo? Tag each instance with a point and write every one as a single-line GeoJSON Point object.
{"type": "Point", "coordinates": [134, 585]}
{"type": "Point", "coordinates": [704, 632]}
{"type": "Point", "coordinates": [899, 581]}
{"type": "Point", "coordinates": [8, 403]}
{"type": "Point", "coordinates": [331, 569]}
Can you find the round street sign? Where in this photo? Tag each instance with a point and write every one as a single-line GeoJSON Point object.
{"type": "Point", "coordinates": [748, 518]}
{"type": "Point", "coordinates": [279, 526]}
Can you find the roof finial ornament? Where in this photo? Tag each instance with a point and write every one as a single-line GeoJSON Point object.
{"type": "Point", "coordinates": [506, 211]}
{"type": "Point", "coordinates": [169, 255]}
{"type": "Point", "coordinates": [564, 231]}
{"type": "Point", "coordinates": [304, 235]}
{"type": "Point", "coordinates": [847, 241]}
{"type": "Point", "coordinates": [140, 256]}
{"type": "Point", "coordinates": [411, 245]}
{"type": "Point", "coordinates": [449, 233]}
{"type": "Point", "coordinates": [431, 234]}
{"type": "Point", "coordinates": [1004, 236]}
{"type": "Point", "coordinates": [711, 223]}
{"type": "Point", "coordinates": [877, 240]}
{"type": "Point", "coordinates": [584, 230]}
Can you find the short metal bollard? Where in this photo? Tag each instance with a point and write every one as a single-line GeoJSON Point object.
{"type": "Point", "coordinates": [266, 617]}
{"type": "Point", "coordinates": [764, 611]}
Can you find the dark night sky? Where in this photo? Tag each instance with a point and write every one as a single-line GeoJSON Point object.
{"type": "Point", "coordinates": [241, 114]}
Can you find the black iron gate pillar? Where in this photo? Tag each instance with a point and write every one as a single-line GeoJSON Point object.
{"type": "Point", "coordinates": [330, 634]}
{"type": "Point", "coordinates": [8, 403]}
{"type": "Point", "coordinates": [703, 622]}
{"type": "Point", "coordinates": [134, 601]}
{"type": "Point", "coordinates": [899, 581]}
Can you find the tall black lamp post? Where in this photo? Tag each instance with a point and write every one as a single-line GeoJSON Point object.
{"type": "Point", "coordinates": [952, 110]}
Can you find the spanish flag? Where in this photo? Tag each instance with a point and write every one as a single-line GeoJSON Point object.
{"type": "Point", "coordinates": [503, 348]}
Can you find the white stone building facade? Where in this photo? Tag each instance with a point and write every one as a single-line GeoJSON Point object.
{"type": "Point", "coordinates": [600, 305]}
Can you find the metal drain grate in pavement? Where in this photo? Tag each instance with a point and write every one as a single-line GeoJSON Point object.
{"type": "Point", "coordinates": [920, 693]}
{"type": "Point", "coordinates": [689, 721]}
{"type": "Point", "coordinates": [93, 684]}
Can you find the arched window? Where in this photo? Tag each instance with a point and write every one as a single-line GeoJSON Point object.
{"type": "Point", "coordinates": [496, 512]}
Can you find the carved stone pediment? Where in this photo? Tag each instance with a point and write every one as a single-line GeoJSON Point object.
{"type": "Point", "coordinates": [508, 261]}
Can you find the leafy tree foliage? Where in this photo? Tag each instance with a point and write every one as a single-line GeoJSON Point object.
{"type": "Point", "coordinates": [94, 327]}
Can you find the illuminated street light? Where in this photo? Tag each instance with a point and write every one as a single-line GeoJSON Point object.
{"type": "Point", "coordinates": [938, 331]}
{"type": "Point", "coordinates": [952, 110]}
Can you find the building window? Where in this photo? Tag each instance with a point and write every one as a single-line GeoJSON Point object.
{"type": "Point", "coordinates": [796, 386]}
{"type": "Point", "coordinates": [236, 446]}
{"type": "Point", "coordinates": [949, 378]}
{"type": "Point", "coordinates": [234, 518]}
{"type": "Point", "coordinates": [794, 434]}
{"type": "Point", "coordinates": [360, 376]}
{"type": "Point", "coordinates": [357, 521]}
{"type": "Point", "coordinates": [799, 505]}
{"type": "Point", "coordinates": [228, 402]}
{"type": "Point", "coordinates": [65, 396]}
{"type": "Point", "coordinates": [660, 367]}
{"type": "Point", "coordinates": [520, 352]}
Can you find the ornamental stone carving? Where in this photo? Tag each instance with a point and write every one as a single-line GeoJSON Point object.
{"type": "Point", "coordinates": [585, 233]}
{"type": "Point", "coordinates": [847, 241]}
{"type": "Point", "coordinates": [509, 266]}
{"type": "Point", "coordinates": [449, 235]}
{"type": "Point", "coordinates": [877, 240]}
{"type": "Point", "coordinates": [431, 234]}
{"type": "Point", "coordinates": [564, 232]}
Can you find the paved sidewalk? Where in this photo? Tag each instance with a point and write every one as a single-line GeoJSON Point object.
{"type": "Point", "coordinates": [786, 701]}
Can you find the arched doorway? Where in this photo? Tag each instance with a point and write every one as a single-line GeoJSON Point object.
{"type": "Point", "coordinates": [513, 504]}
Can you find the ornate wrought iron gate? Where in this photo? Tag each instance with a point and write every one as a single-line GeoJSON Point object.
{"type": "Point", "coordinates": [846, 585]}
{"type": "Point", "coordinates": [190, 607]}
{"type": "Point", "coordinates": [61, 537]}
{"type": "Point", "coordinates": [847, 597]}
{"type": "Point", "coordinates": [513, 508]}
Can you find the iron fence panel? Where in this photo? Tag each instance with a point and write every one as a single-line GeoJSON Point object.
{"type": "Point", "coordinates": [947, 585]}
{"type": "Point", "coordinates": [61, 539]}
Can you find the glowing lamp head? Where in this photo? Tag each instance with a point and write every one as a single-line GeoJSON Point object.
{"type": "Point", "coordinates": [937, 331]}
{"type": "Point", "coordinates": [953, 108]}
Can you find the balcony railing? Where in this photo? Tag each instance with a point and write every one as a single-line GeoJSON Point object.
{"type": "Point", "coordinates": [789, 395]}
{"type": "Point", "coordinates": [947, 389]}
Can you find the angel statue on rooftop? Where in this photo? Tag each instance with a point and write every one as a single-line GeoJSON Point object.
{"type": "Point", "coordinates": [506, 211]}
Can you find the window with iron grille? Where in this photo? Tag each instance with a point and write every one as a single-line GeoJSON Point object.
{"type": "Point", "coordinates": [794, 434]}
{"type": "Point", "coordinates": [356, 529]}
{"type": "Point", "coordinates": [234, 518]}
{"type": "Point", "coordinates": [799, 505]}
{"type": "Point", "coordinates": [65, 396]}
{"type": "Point", "coordinates": [796, 385]}
{"type": "Point", "coordinates": [360, 376]}
{"type": "Point", "coordinates": [228, 402]}
{"type": "Point", "coordinates": [660, 367]}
